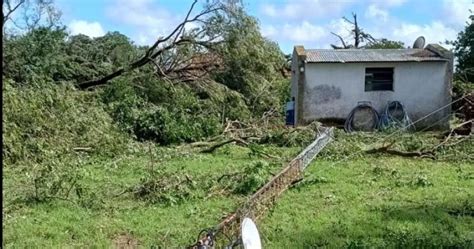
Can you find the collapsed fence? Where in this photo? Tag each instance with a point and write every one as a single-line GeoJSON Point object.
{"type": "Point", "coordinates": [226, 233]}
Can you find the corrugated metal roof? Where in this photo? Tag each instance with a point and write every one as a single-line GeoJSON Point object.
{"type": "Point", "coordinates": [369, 55]}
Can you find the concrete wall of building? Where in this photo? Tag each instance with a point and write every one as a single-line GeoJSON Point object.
{"type": "Point", "coordinates": [294, 79]}
{"type": "Point", "coordinates": [332, 90]}
{"type": "Point", "coordinates": [298, 82]}
{"type": "Point", "coordinates": [294, 75]}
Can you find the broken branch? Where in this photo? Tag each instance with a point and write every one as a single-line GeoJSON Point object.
{"type": "Point", "coordinates": [176, 38]}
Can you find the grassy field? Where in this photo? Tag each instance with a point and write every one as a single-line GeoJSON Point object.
{"type": "Point", "coordinates": [114, 215]}
{"type": "Point", "coordinates": [351, 199]}
{"type": "Point", "coordinates": [376, 201]}
{"type": "Point", "coordinates": [383, 202]}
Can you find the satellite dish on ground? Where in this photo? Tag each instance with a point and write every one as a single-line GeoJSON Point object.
{"type": "Point", "coordinates": [250, 235]}
{"type": "Point", "coordinates": [419, 42]}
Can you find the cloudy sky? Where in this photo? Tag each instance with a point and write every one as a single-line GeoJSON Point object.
{"type": "Point", "coordinates": [288, 22]}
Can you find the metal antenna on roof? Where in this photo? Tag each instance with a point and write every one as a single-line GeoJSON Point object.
{"type": "Point", "coordinates": [419, 42]}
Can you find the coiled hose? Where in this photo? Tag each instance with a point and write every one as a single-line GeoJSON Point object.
{"type": "Point", "coordinates": [395, 116]}
{"type": "Point", "coordinates": [362, 118]}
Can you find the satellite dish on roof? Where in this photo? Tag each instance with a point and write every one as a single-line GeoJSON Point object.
{"type": "Point", "coordinates": [250, 235]}
{"type": "Point", "coordinates": [419, 42]}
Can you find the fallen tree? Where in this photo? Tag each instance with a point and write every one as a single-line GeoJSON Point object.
{"type": "Point", "coordinates": [387, 149]}
{"type": "Point", "coordinates": [166, 56]}
{"type": "Point", "coordinates": [431, 151]}
{"type": "Point", "coordinates": [266, 130]}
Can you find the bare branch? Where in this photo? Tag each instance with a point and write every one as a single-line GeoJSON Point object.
{"type": "Point", "coordinates": [357, 33]}
{"type": "Point", "coordinates": [10, 10]}
{"type": "Point", "coordinates": [341, 39]}
{"type": "Point", "coordinates": [185, 21]}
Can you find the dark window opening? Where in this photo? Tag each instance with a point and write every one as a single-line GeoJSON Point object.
{"type": "Point", "coordinates": [379, 79]}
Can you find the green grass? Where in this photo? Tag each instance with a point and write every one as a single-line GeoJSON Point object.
{"type": "Point", "coordinates": [59, 223]}
{"type": "Point", "coordinates": [377, 202]}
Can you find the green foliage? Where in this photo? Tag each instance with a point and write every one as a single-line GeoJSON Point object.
{"type": "Point", "coordinates": [103, 211]}
{"type": "Point", "coordinates": [169, 188]}
{"type": "Point", "coordinates": [249, 179]}
{"type": "Point", "coordinates": [49, 54]}
{"type": "Point", "coordinates": [99, 56]}
{"type": "Point", "coordinates": [251, 62]}
{"type": "Point", "coordinates": [173, 188]}
{"type": "Point", "coordinates": [385, 44]}
{"type": "Point", "coordinates": [64, 144]}
{"type": "Point", "coordinates": [161, 112]}
{"type": "Point", "coordinates": [37, 56]}
{"type": "Point", "coordinates": [254, 176]}
{"type": "Point", "coordinates": [150, 107]}
{"type": "Point", "coordinates": [354, 145]}
{"type": "Point", "coordinates": [50, 121]}
{"type": "Point", "coordinates": [49, 130]}
{"type": "Point", "coordinates": [462, 87]}
{"type": "Point", "coordinates": [289, 136]}
{"type": "Point", "coordinates": [464, 52]}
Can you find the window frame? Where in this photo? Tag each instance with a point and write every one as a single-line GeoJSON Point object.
{"type": "Point", "coordinates": [384, 82]}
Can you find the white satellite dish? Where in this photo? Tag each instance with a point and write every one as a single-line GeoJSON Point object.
{"type": "Point", "coordinates": [419, 42]}
{"type": "Point", "coordinates": [250, 235]}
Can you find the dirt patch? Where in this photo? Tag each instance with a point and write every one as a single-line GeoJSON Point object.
{"type": "Point", "coordinates": [125, 241]}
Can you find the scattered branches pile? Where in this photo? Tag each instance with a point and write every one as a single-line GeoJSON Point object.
{"type": "Point", "coordinates": [467, 114]}
{"type": "Point", "coordinates": [387, 149]}
{"type": "Point", "coordinates": [246, 181]}
{"type": "Point", "coordinates": [433, 149]}
{"type": "Point", "coordinates": [172, 188]}
{"type": "Point", "coordinates": [262, 131]}
{"type": "Point", "coordinates": [432, 145]}
{"type": "Point", "coordinates": [165, 187]}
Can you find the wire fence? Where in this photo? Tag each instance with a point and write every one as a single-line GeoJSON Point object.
{"type": "Point", "coordinates": [227, 232]}
{"type": "Point", "coordinates": [385, 138]}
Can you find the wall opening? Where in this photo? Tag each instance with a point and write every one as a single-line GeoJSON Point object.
{"type": "Point", "coordinates": [379, 79]}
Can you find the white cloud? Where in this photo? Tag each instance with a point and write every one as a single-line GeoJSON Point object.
{"type": "Point", "coordinates": [308, 34]}
{"type": "Point", "coordinates": [374, 12]}
{"type": "Point", "coordinates": [389, 3]}
{"type": "Point", "coordinates": [306, 9]}
{"type": "Point", "coordinates": [434, 32]}
{"type": "Point", "coordinates": [312, 35]}
{"type": "Point", "coordinates": [269, 10]}
{"type": "Point", "coordinates": [269, 30]}
{"type": "Point", "coordinates": [301, 32]}
{"type": "Point", "coordinates": [92, 29]}
{"type": "Point", "coordinates": [457, 11]}
{"type": "Point", "coordinates": [148, 20]}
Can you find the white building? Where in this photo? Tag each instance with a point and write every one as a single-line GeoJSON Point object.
{"type": "Point", "coordinates": [327, 84]}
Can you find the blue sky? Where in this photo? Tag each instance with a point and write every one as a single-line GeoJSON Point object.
{"type": "Point", "coordinates": [288, 22]}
